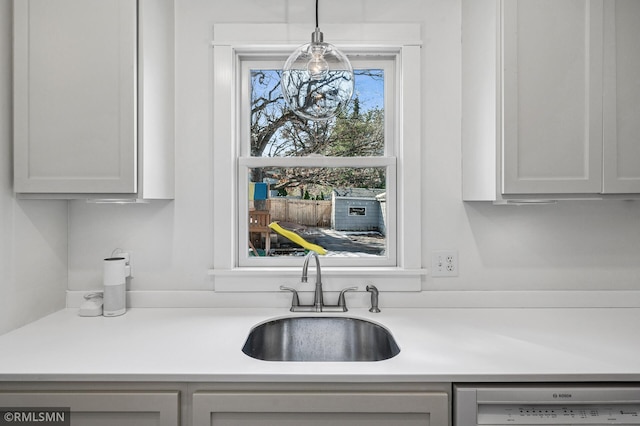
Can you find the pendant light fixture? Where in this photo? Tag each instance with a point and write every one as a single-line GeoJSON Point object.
{"type": "Point", "coordinates": [317, 79]}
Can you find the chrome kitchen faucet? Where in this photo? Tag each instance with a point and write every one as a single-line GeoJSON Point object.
{"type": "Point", "coordinates": [318, 297]}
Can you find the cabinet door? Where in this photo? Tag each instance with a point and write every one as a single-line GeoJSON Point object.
{"type": "Point", "coordinates": [102, 408]}
{"type": "Point", "coordinates": [320, 409]}
{"type": "Point", "coordinates": [622, 97]}
{"type": "Point", "coordinates": [552, 96]}
{"type": "Point", "coordinates": [75, 96]}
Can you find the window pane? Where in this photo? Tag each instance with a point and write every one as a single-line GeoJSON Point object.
{"type": "Point", "coordinates": [340, 210]}
{"type": "Point", "coordinates": [356, 131]}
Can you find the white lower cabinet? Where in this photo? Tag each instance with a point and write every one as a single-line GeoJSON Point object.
{"type": "Point", "coordinates": [101, 408]}
{"type": "Point", "coordinates": [234, 404]}
{"type": "Point", "coordinates": [320, 408]}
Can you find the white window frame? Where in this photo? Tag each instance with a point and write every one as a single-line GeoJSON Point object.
{"type": "Point", "coordinates": [235, 43]}
{"type": "Point", "coordinates": [379, 60]}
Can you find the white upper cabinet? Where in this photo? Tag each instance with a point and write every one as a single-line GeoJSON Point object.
{"type": "Point", "coordinates": [552, 83]}
{"type": "Point", "coordinates": [542, 117]}
{"type": "Point", "coordinates": [622, 96]}
{"type": "Point", "coordinates": [93, 98]}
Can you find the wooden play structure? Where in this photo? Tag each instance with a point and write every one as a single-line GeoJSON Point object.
{"type": "Point", "coordinates": [259, 221]}
{"type": "Point", "coordinates": [259, 218]}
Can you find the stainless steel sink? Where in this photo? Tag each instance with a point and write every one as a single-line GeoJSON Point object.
{"type": "Point", "coordinates": [341, 339]}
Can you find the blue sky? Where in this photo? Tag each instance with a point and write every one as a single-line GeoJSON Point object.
{"type": "Point", "coordinates": [370, 92]}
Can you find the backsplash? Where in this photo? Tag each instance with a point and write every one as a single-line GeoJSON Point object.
{"type": "Point", "coordinates": [568, 246]}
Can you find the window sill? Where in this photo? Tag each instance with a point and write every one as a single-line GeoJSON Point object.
{"type": "Point", "coordinates": [270, 279]}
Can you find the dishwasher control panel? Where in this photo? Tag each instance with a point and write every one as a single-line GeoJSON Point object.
{"type": "Point", "coordinates": [558, 404]}
{"type": "Point", "coordinates": [535, 414]}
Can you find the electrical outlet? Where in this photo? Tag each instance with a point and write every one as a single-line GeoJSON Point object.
{"type": "Point", "coordinates": [444, 263]}
{"type": "Point", "coordinates": [127, 258]}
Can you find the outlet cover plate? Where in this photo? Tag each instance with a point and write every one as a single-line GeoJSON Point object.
{"type": "Point", "coordinates": [444, 263]}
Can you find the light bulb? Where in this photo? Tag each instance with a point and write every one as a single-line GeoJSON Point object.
{"type": "Point", "coordinates": [317, 65]}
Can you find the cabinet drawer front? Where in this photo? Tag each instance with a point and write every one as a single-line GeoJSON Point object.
{"type": "Point", "coordinates": [320, 409]}
{"type": "Point", "coordinates": [103, 408]}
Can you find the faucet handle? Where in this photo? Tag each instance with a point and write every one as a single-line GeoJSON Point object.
{"type": "Point", "coordinates": [341, 299]}
{"type": "Point", "coordinates": [295, 300]}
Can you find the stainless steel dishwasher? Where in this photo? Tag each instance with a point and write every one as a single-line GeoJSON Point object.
{"type": "Point", "coordinates": [542, 404]}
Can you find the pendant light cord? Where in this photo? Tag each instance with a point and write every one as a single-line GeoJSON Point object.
{"type": "Point", "coordinates": [317, 26]}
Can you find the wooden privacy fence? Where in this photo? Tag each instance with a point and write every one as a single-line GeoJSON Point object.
{"type": "Point", "coordinates": [303, 212]}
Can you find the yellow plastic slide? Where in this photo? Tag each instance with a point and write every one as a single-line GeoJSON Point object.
{"type": "Point", "coordinates": [290, 235]}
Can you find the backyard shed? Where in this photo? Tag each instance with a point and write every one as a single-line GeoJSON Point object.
{"type": "Point", "coordinates": [357, 209]}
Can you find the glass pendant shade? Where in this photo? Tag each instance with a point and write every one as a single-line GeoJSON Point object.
{"type": "Point", "coordinates": [317, 80]}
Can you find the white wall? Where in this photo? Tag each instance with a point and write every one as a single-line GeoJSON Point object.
{"type": "Point", "coordinates": [568, 246]}
{"type": "Point", "coordinates": [33, 234]}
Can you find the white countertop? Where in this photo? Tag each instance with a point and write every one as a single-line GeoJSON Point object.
{"type": "Point", "coordinates": [437, 345]}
